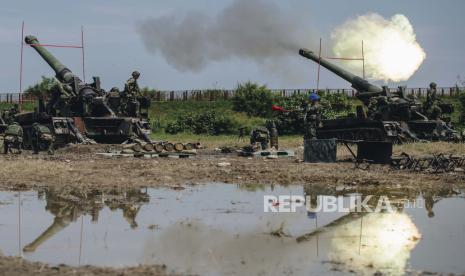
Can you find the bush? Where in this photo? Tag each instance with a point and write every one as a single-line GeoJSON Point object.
{"type": "Point", "coordinates": [253, 99]}
{"type": "Point", "coordinates": [335, 105]}
{"type": "Point", "coordinates": [291, 122]}
{"type": "Point", "coordinates": [203, 123]}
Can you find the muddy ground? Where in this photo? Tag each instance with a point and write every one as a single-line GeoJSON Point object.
{"type": "Point", "coordinates": [79, 166]}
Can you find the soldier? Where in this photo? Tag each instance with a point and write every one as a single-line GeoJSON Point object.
{"type": "Point", "coordinates": [14, 110]}
{"type": "Point", "coordinates": [312, 118]}
{"type": "Point", "coordinates": [131, 92]}
{"type": "Point", "coordinates": [6, 116]}
{"type": "Point", "coordinates": [274, 139]}
{"type": "Point", "coordinates": [13, 138]}
{"type": "Point", "coordinates": [382, 109]}
{"type": "Point", "coordinates": [372, 108]}
{"type": "Point", "coordinates": [42, 138]}
{"type": "Point", "coordinates": [131, 88]}
{"type": "Point", "coordinates": [241, 134]}
{"type": "Point", "coordinates": [431, 106]}
{"type": "Point", "coordinates": [431, 95]}
{"type": "Point", "coordinates": [260, 135]}
{"type": "Point", "coordinates": [59, 93]}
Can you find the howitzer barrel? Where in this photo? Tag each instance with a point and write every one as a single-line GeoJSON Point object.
{"type": "Point", "coordinates": [358, 83]}
{"type": "Point", "coordinates": [63, 74]}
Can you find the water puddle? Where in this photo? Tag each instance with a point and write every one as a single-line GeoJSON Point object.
{"type": "Point", "coordinates": [223, 229]}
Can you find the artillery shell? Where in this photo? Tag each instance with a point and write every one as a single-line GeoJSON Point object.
{"type": "Point", "coordinates": [189, 146]}
{"type": "Point", "coordinates": [158, 147]}
{"type": "Point", "coordinates": [168, 146]}
{"type": "Point", "coordinates": [148, 147]}
{"type": "Point", "coordinates": [137, 148]}
{"type": "Point", "coordinates": [178, 147]}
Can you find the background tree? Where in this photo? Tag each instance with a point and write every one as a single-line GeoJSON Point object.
{"type": "Point", "coordinates": [253, 99]}
{"type": "Point", "coordinates": [41, 88]}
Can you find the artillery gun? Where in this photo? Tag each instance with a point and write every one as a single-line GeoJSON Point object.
{"type": "Point", "coordinates": [391, 116]}
{"type": "Point", "coordinates": [76, 110]}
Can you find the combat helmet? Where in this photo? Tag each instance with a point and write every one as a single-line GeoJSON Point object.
{"type": "Point", "coordinates": [314, 97]}
{"type": "Point", "coordinates": [135, 74]}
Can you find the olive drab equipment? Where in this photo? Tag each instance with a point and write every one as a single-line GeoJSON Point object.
{"type": "Point", "coordinates": [391, 115]}
{"type": "Point", "coordinates": [78, 112]}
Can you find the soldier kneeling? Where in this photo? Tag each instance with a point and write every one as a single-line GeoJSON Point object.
{"type": "Point", "coordinates": [260, 135]}
{"type": "Point", "coordinates": [13, 138]}
{"type": "Point", "coordinates": [42, 139]}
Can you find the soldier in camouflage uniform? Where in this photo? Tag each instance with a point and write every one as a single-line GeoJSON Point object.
{"type": "Point", "coordinates": [431, 106]}
{"type": "Point", "coordinates": [14, 110]}
{"type": "Point", "coordinates": [13, 138]}
{"type": "Point", "coordinates": [59, 94]}
{"type": "Point", "coordinates": [372, 108]}
{"type": "Point", "coordinates": [9, 115]}
{"type": "Point", "coordinates": [312, 118]}
{"type": "Point", "coordinates": [42, 138]}
{"type": "Point", "coordinates": [260, 135]}
{"type": "Point", "coordinates": [131, 92]}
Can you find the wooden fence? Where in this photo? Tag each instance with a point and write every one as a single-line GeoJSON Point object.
{"type": "Point", "coordinates": [215, 95]}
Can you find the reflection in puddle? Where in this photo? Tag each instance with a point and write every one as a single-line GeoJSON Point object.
{"type": "Point", "coordinates": [222, 229]}
{"type": "Point", "coordinates": [68, 205]}
{"type": "Point", "coordinates": [385, 242]}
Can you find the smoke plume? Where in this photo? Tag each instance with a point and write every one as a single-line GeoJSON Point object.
{"type": "Point", "coordinates": [390, 47]}
{"type": "Point", "coordinates": [253, 30]}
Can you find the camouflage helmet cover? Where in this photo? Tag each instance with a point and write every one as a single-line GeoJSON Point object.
{"type": "Point", "coordinates": [433, 85]}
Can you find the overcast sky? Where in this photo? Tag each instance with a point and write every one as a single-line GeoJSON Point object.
{"type": "Point", "coordinates": [114, 48]}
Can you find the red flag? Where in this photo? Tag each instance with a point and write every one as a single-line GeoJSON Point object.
{"type": "Point", "coordinates": [278, 108]}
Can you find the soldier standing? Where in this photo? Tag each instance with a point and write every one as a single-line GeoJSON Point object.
{"type": "Point", "coordinates": [132, 87]}
{"type": "Point", "coordinates": [241, 134]}
{"type": "Point", "coordinates": [274, 139]}
{"type": "Point", "coordinates": [132, 91]}
{"type": "Point", "coordinates": [42, 137]}
{"type": "Point", "coordinates": [431, 106]}
{"type": "Point", "coordinates": [13, 138]}
{"type": "Point", "coordinates": [312, 119]}
{"type": "Point", "coordinates": [372, 108]}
